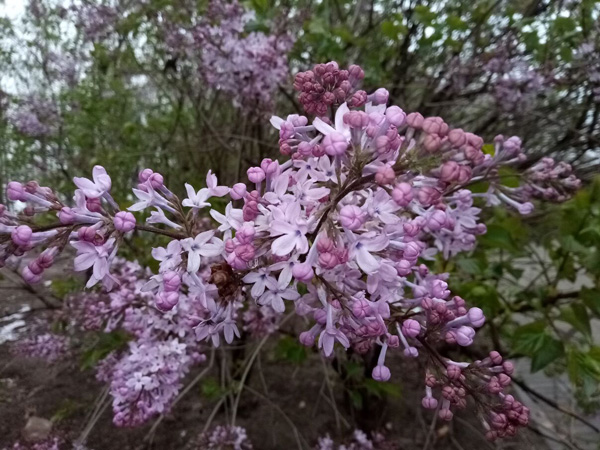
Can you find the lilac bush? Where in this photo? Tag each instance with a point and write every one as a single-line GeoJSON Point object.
{"type": "Point", "coordinates": [339, 231]}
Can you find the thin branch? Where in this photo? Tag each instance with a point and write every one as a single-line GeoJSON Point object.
{"type": "Point", "coordinates": [555, 405]}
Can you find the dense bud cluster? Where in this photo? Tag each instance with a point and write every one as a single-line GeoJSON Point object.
{"type": "Point", "coordinates": [327, 86]}
{"type": "Point", "coordinates": [341, 232]}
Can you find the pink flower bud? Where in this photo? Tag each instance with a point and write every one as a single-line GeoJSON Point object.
{"type": "Point", "coordinates": [395, 116]}
{"type": "Point", "coordinates": [356, 119]}
{"type": "Point", "coordinates": [358, 99]}
{"type": "Point", "coordinates": [393, 341]}
{"type": "Point", "coordinates": [245, 234]}
{"type": "Point", "coordinates": [449, 171]}
{"type": "Point", "coordinates": [156, 180]}
{"type": "Point", "coordinates": [256, 174]}
{"type": "Point", "coordinates": [35, 268]}
{"type": "Point", "coordinates": [446, 414]}
{"type": "Point", "coordinates": [355, 73]}
{"type": "Point", "coordinates": [436, 220]}
{"type": "Point", "coordinates": [360, 308]}
{"type": "Point", "coordinates": [382, 144]}
{"type": "Point", "coordinates": [498, 421]}
{"type": "Point", "coordinates": [229, 246]}
{"type": "Point", "coordinates": [352, 217]}
{"type": "Point", "coordinates": [464, 336]}
{"type": "Point", "coordinates": [124, 221]}
{"type": "Point", "coordinates": [411, 352]}
{"type": "Point", "coordinates": [476, 317]}
{"type": "Point", "coordinates": [508, 367]}
{"type": "Point", "coordinates": [269, 166]}
{"type": "Point", "coordinates": [144, 175]}
{"type": "Point", "coordinates": [307, 339]}
{"type": "Point", "coordinates": [385, 175]}
{"type": "Point", "coordinates": [428, 196]}
{"type": "Point", "coordinates": [236, 262]}
{"type": "Point", "coordinates": [86, 234]}
{"type": "Point", "coordinates": [166, 300]}
{"type": "Point", "coordinates": [525, 208]}
{"type": "Point", "coordinates": [171, 281]}
{"type": "Point", "coordinates": [245, 252]}
{"type": "Point", "coordinates": [15, 191]}
{"type": "Point", "coordinates": [403, 267]}
{"type": "Point", "coordinates": [402, 194]}
{"type": "Point", "coordinates": [457, 137]}
{"type": "Point", "coordinates": [328, 260]}
{"type": "Point", "coordinates": [380, 96]}
{"type": "Point", "coordinates": [453, 372]}
{"type": "Point", "coordinates": [432, 143]}
{"type": "Point", "coordinates": [29, 276]}
{"type": "Point", "coordinates": [324, 244]}
{"type": "Point", "coordinates": [335, 144]}
{"type": "Point", "coordinates": [93, 204]}
{"type": "Point", "coordinates": [46, 258]}
{"type": "Point", "coordinates": [381, 373]}
{"type": "Point", "coordinates": [429, 403]}
{"type": "Point", "coordinates": [411, 328]}
{"type": "Point", "coordinates": [320, 316]}
{"type": "Point", "coordinates": [412, 251]}
{"type": "Point", "coordinates": [305, 149]}
{"type": "Point", "coordinates": [474, 140]}
{"type": "Point", "coordinates": [496, 357]}
{"type": "Point", "coordinates": [415, 120]}
{"type": "Point", "coordinates": [303, 272]}
{"type": "Point", "coordinates": [22, 235]}
{"type": "Point", "coordinates": [238, 191]}
{"type": "Point", "coordinates": [435, 125]}
{"type": "Point", "coordinates": [504, 379]}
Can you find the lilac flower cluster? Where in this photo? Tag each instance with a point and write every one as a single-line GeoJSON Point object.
{"type": "Point", "coordinates": [146, 377]}
{"type": "Point", "coordinates": [247, 66]}
{"type": "Point", "coordinates": [221, 437]}
{"type": "Point", "coordinates": [48, 346]}
{"type": "Point", "coordinates": [517, 84]}
{"type": "Point", "coordinates": [96, 21]}
{"type": "Point", "coordinates": [35, 116]}
{"type": "Point", "coordinates": [340, 230]}
{"type": "Point", "coordinates": [587, 59]}
{"type": "Point", "coordinates": [359, 441]}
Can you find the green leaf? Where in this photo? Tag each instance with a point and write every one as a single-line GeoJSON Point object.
{"type": "Point", "coordinates": [577, 315]}
{"type": "Point", "coordinates": [591, 299]}
{"type": "Point", "coordinates": [498, 236]}
{"type": "Point", "coordinates": [381, 389]}
{"type": "Point", "coordinates": [289, 349]}
{"type": "Point", "coordinates": [564, 24]}
{"type": "Point", "coordinates": [211, 388]}
{"type": "Point", "coordinates": [424, 15]}
{"type": "Point", "coordinates": [469, 265]}
{"type": "Point", "coordinates": [551, 350]}
{"type": "Point", "coordinates": [456, 23]}
{"type": "Point", "coordinates": [392, 30]}
{"type": "Point", "coordinates": [105, 344]}
{"type": "Point", "coordinates": [532, 340]}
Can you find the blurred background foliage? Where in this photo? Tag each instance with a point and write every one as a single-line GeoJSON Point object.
{"type": "Point", "coordinates": [118, 83]}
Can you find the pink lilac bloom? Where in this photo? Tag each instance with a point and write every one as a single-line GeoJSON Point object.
{"type": "Point", "coordinates": [339, 231]}
{"type": "Point", "coordinates": [50, 443]}
{"type": "Point", "coordinates": [48, 347]}
{"type": "Point", "coordinates": [359, 441]}
{"type": "Point", "coordinates": [225, 436]}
